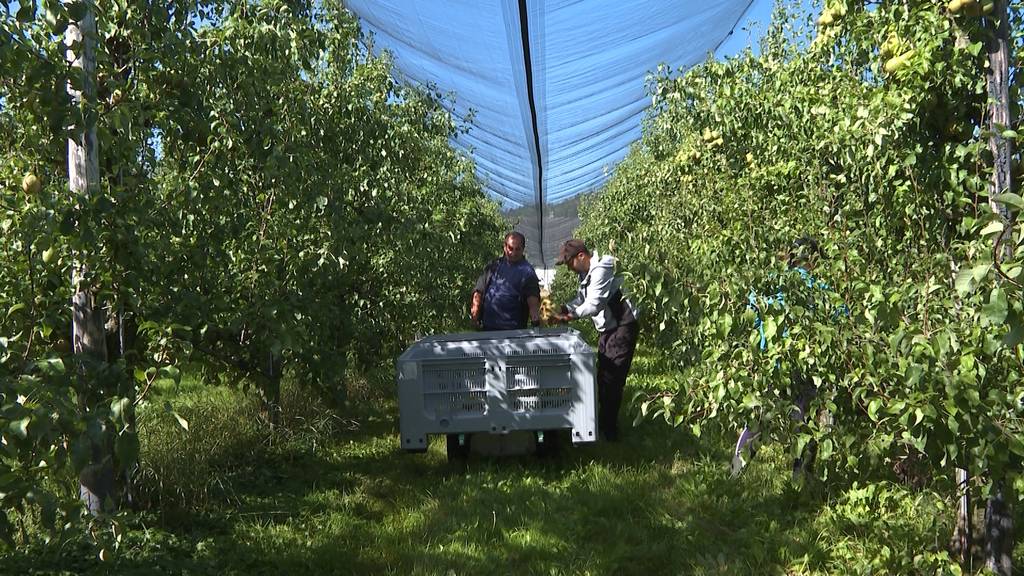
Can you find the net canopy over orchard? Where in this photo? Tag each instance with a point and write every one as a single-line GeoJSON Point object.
{"type": "Point", "coordinates": [554, 91]}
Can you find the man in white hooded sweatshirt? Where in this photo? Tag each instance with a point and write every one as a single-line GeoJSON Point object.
{"type": "Point", "coordinates": [601, 298]}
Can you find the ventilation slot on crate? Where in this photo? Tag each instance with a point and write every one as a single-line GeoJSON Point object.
{"type": "Point", "coordinates": [544, 399]}
{"type": "Point", "coordinates": [533, 352]}
{"type": "Point", "coordinates": [539, 385]}
{"type": "Point", "coordinates": [456, 403]}
{"type": "Point", "coordinates": [455, 390]}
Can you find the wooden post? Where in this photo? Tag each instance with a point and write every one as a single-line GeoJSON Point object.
{"type": "Point", "coordinates": [998, 81]}
{"type": "Point", "coordinates": [998, 517]}
{"type": "Point", "coordinates": [272, 394]}
{"type": "Point", "coordinates": [97, 479]}
{"type": "Point", "coordinates": [962, 540]}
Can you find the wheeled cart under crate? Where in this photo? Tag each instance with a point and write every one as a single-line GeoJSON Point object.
{"type": "Point", "coordinates": [497, 382]}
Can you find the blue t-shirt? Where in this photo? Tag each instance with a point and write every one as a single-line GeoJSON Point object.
{"type": "Point", "coordinates": [506, 295]}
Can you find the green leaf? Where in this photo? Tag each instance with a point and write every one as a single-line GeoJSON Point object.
{"type": "Point", "coordinates": [770, 329]}
{"type": "Point", "coordinates": [994, 312]}
{"type": "Point", "coordinates": [1016, 334]}
{"type": "Point", "coordinates": [119, 409]}
{"type": "Point", "coordinates": [873, 406]}
{"type": "Point", "coordinates": [6, 529]}
{"type": "Point", "coordinates": [994, 227]}
{"type": "Point", "coordinates": [126, 448]}
{"type": "Point", "coordinates": [964, 281]}
{"type": "Point", "coordinates": [695, 428]}
{"type": "Point", "coordinates": [48, 511]}
{"type": "Point", "coordinates": [51, 366]}
{"type": "Point", "coordinates": [20, 427]}
{"type": "Point", "coordinates": [77, 10]}
{"type": "Point", "coordinates": [980, 271]}
{"type": "Point", "coordinates": [825, 449]}
{"type": "Point", "coordinates": [1010, 199]}
{"type": "Point", "coordinates": [172, 372]}
{"type": "Point", "coordinates": [15, 308]}
{"type": "Point", "coordinates": [26, 11]}
{"type": "Point", "coordinates": [181, 421]}
{"type": "Point", "coordinates": [1016, 445]}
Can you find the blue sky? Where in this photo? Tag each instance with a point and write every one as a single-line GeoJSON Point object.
{"type": "Point", "coordinates": [749, 30]}
{"type": "Point", "coordinates": [752, 27]}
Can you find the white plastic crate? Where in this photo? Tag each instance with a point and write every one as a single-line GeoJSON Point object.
{"type": "Point", "coordinates": [497, 382]}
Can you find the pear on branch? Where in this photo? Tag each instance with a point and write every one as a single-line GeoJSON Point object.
{"type": "Point", "coordinates": [31, 185]}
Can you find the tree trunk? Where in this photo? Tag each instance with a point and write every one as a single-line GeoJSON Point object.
{"type": "Point", "coordinates": [96, 480]}
{"type": "Point", "coordinates": [271, 410]}
{"type": "Point", "coordinates": [998, 81]}
{"type": "Point", "coordinates": [998, 532]}
{"type": "Point", "coordinates": [961, 544]}
{"type": "Point", "coordinates": [998, 518]}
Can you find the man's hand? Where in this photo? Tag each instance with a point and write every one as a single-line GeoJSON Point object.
{"type": "Point", "coordinates": [561, 318]}
{"type": "Point", "coordinates": [474, 308]}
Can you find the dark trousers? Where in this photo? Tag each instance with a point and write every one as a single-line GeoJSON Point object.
{"type": "Point", "coordinates": [614, 357]}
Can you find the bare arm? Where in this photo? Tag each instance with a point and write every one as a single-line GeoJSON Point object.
{"type": "Point", "coordinates": [534, 303]}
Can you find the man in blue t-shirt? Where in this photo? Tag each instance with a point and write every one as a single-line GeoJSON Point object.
{"type": "Point", "coordinates": [507, 294]}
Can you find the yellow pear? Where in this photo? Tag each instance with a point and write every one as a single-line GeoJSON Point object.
{"type": "Point", "coordinates": [30, 184]}
{"type": "Point", "coordinates": [891, 45]}
{"type": "Point", "coordinates": [895, 63]}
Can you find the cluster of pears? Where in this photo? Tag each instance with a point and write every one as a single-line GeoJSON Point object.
{"type": "Point", "coordinates": [32, 186]}
{"type": "Point", "coordinates": [895, 53]}
{"type": "Point", "coordinates": [831, 14]}
{"type": "Point", "coordinates": [687, 154]}
{"type": "Point", "coordinates": [547, 309]}
{"type": "Point", "coordinates": [712, 138]}
{"type": "Point", "coordinates": [971, 7]}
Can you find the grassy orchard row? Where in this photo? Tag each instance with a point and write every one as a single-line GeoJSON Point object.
{"type": "Point", "coordinates": [269, 200]}
{"type": "Point", "coordinates": [885, 163]}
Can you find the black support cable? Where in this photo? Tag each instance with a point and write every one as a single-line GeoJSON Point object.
{"type": "Point", "coordinates": [524, 28]}
{"type": "Point", "coordinates": [734, 25]}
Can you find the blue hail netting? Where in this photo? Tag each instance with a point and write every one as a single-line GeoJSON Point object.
{"type": "Point", "coordinates": [543, 134]}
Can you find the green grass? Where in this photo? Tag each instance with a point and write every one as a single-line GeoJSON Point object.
{"type": "Point", "coordinates": [328, 495]}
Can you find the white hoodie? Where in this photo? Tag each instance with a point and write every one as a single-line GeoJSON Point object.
{"type": "Point", "coordinates": [596, 288]}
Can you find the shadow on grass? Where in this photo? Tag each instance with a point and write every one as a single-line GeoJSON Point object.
{"type": "Point", "coordinates": [651, 504]}
{"type": "Point", "coordinates": [658, 502]}
{"type": "Point", "coordinates": [641, 506]}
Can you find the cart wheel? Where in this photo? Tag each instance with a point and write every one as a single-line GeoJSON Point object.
{"type": "Point", "coordinates": [549, 443]}
{"type": "Point", "coordinates": [458, 447]}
